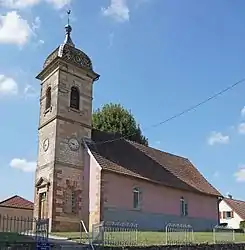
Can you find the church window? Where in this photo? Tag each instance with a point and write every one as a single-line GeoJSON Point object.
{"type": "Point", "coordinates": [183, 207]}
{"type": "Point", "coordinates": [48, 98]}
{"type": "Point", "coordinates": [42, 205]}
{"type": "Point", "coordinates": [75, 98]}
{"type": "Point", "coordinates": [136, 198]}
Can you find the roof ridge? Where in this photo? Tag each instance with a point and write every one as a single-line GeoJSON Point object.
{"type": "Point", "coordinates": [165, 152]}
{"type": "Point", "coordinates": [10, 198]}
{"type": "Point", "coordinates": [232, 199]}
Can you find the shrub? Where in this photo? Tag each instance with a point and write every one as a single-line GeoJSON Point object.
{"type": "Point", "coordinates": [242, 225]}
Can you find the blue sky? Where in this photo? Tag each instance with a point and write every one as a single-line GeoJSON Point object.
{"type": "Point", "coordinates": [155, 57]}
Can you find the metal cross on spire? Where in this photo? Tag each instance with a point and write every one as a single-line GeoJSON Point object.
{"type": "Point", "coordinates": [68, 16]}
{"type": "Point", "coordinates": [68, 29]}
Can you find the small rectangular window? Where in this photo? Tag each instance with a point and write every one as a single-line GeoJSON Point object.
{"type": "Point", "coordinates": [183, 207]}
{"type": "Point", "coordinates": [228, 215]}
{"type": "Point", "coordinates": [136, 198]}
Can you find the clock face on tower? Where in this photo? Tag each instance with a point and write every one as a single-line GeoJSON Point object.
{"type": "Point", "coordinates": [73, 144]}
{"type": "Point", "coordinates": [45, 144]}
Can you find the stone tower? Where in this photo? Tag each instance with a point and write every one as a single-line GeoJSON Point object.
{"type": "Point", "coordinates": [65, 119]}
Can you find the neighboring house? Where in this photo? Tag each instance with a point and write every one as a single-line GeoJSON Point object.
{"type": "Point", "coordinates": [232, 212]}
{"type": "Point", "coordinates": [77, 179]}
{"type": "Point", "coordinates": [15, 211]}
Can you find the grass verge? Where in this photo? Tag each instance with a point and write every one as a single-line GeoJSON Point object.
{"type": "Point", "coordinates": [157, 238]}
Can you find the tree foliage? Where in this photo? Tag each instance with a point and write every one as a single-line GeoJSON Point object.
{"type": "Point", "coordinates": [242, 225]}
{"type": "Point", "coordinates": [114, 118]}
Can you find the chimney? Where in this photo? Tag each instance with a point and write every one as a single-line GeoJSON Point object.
{"type": "Point", "coordinates": [229, 196]}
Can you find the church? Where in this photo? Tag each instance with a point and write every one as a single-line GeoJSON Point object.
{"type": "Point", "coordinates": [94, 176]}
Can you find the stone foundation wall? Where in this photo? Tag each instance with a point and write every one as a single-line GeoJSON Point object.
{"type": "Point", "coordinates": [32, 246]}
{"type": "Point", "coordinates": [192, 247]}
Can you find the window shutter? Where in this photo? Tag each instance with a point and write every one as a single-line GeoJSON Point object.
{"type": "Point", "coordinates": [232, 214]}
{"type": "Point", "coordinates": [220, 215]}
{"type": "Point", "coordinates": [224, 217]}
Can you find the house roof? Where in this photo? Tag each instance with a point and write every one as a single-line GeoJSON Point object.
{"type": "Point", "coordinates": [133, 159]}
{"type": "Point", "coordinates": [237, 205]}
{"type": "Point", "coordinates": [17, 202]}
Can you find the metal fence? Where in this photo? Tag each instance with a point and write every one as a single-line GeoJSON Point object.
{"type": "Point", "coordinates": [179, 234]}
{"type": "Point", "coordinates": [21, 229]}
{"type": "Point", "coordinates": [115, 233]}
{"type": "Point", "coordinates": [223, 234]}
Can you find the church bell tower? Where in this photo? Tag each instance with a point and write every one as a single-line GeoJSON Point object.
{"type": "Point", "coordinates": [67, 81]}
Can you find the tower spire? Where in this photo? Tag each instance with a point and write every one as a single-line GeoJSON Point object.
{"type": "Point", "coordinates": [68, 30]}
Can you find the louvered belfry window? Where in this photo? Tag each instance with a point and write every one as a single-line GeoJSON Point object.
{"type": "Point", "coordinates": [75, 98]}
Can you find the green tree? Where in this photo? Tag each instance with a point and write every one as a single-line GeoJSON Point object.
{"type": "Point", "coordinates": [114, 118]}
{"type": "Point", "coordinates": [242, 225]}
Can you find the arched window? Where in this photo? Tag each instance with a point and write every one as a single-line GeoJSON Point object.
{"type": "Point", "coordinates": [48, 98]}
{"type": "Point", "coordinates": [75, 98]}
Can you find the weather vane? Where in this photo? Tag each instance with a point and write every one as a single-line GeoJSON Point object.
{"type": "Point", "coordinates": [68, 13]}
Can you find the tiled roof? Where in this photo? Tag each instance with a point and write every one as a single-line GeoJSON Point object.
{"type": "Point", "coordinates": [237, 205]}
{"type": "Point", "coordinates": [130, 158]}
{"type": "Point", "coordinates": [17, 202]}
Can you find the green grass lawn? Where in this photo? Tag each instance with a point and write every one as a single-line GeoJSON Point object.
{"type": "Point", "coordinates": [14, 237]}
{"type": "Point", "coordinates": [157, 238]}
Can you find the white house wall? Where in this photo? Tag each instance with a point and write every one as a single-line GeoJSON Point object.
{"type": "Point", "coordinates": [232, 222]}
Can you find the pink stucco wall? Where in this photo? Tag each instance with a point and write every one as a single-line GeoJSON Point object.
{"type": "Point", "coordinates": [92, 189]}
{"type": "Point", "coordinates": [155, 198]}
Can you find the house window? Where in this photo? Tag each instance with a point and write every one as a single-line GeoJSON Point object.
{"type": "Point", "coordinates": [183, 207]}
{"type": "Point", "coordinates": [48, 98]}
{"type": "Point", "coordinates": [228, 214]}
{"type": "Point", "coordinates": [136, 198]}
{"type": "Point", "coordinates": [74, 98]}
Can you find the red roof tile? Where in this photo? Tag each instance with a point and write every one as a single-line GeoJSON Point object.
{"type": "Point", "coordinates": [130, 158]}
{"type": "Point", "coordinates": [237, 205]}
{"type": "Point", "coordinates": [17, 202]}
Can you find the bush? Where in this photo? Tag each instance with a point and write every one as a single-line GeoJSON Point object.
{"type": "Point", "coordinates": [242, 225]}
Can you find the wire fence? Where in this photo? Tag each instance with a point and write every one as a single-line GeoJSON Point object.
{"type": "Point", "coordinates": [115, 233]}
{"type": "Point", "coordinates": [129, 234]}
{"type": "Point", "coordinates": [179, 234]}
{"type": "Point", "coordinates": [23, 229]}
{"type": "Point", "coordinates": [223, 234]}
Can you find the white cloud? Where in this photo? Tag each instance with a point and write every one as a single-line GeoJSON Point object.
{"type": "Point", "coordinates": [240, 174]}
{"type": "Point", "coordinates": [243, 112]}
{"type": "Point", "coordinates": [241, 128]}
{"type": "Point", "coordinates": [14, 29]}
{"type": "Point", "coordinates": [216, 174]}
{"type": "Point", "coordinates": [18, 4]}
{"type": "Point", "coordinates": [30, 91]}
{"type": "Point", "coordinates": [118, 9]}
{"type": "Point", "coordinates": [218, 138]}
{"type": "Point", "coordinates": [22, 4]}
{"type": "Point", "coordinates": [40, 41]}
{"type": "Point", "coordinates": [59, 4]}
{"type": "Point", "coordinates": [36, 24]}
{"type": "Point", "coordinates": [8, 86]}
{"type": "Point", "coordinates": [23, 165]}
